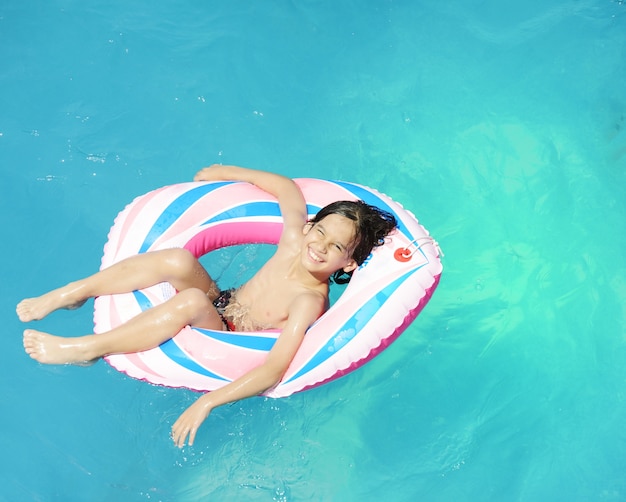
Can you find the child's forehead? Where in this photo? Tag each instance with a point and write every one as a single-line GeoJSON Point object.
{"type": "Point", "coordinates": [340, 224]}
{"type": "Point", "coordinates": [336, 220]}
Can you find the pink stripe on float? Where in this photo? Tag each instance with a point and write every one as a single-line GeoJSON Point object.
{"type": "Point", "coordinates": [134, 209]}
{"type": "Point", "coordinates": [135, 360]}
{"type": "Point", "coordinates": [231, 234]}
{"type": "Point", "coordinates": [110, 321]}
{"type": "Point", "coordinates": [206, 207]}
{"type": "Point", "coordinates": [322, 192]}
{"type": "Point", "coordinates": [218, 356]}
{"type": "Point", "coordinates": [223, 198]}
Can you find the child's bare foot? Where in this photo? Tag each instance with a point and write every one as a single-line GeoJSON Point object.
{"type": "Point", "coordinates": [50, 349]}
{"type": "Point", "coordinates": [33, 309]}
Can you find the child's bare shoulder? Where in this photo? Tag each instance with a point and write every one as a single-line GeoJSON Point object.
{"type": "Point", "coordinates": [308, 305]}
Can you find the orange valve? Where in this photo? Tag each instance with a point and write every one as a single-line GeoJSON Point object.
{"type": "Point", "coordinates": [402, 254]}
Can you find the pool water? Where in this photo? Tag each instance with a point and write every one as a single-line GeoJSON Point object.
{"type": "Point", "coordinates": [501, 125]}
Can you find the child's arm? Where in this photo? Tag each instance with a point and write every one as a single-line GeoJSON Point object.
{"type": "Point", "coordinates": [290, 198]}
{"type": "Point", "coordinates": [303, 311]}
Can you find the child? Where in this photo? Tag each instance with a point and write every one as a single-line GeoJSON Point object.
{"type": "Point", "coordinates": [289, 292]}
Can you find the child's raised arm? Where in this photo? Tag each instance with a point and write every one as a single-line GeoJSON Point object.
{"type": "Point", "coordinates": [290, 198]}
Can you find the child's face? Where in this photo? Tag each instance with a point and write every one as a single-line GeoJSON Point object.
{"type": "Point", "coordinates": [328, 245]}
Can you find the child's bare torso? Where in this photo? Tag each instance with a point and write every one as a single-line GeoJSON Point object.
{"type": "Point", "coordinates": [263, 302]}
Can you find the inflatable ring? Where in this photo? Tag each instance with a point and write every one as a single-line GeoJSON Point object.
{"type": "Point", "coordinates": [385, 295]}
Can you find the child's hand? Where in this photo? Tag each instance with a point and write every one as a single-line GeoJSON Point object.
{"type": "Point", "coordinates": [188, 423]}
{"type": "Point", "coordinates": [207, 174]}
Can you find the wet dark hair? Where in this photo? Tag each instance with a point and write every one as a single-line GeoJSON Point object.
{"type": "Point", "coordinates": [371, 225]}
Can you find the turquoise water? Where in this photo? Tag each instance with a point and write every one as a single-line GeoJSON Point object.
{"type": "Point", "coordinates": [501, 125]}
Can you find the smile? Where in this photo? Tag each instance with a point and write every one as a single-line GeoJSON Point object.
{"type": "Point", "coordinates": [314, 256]}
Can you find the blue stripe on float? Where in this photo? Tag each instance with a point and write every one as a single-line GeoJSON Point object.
{"type": "Point", "coordinates": [255, 209]}
{"type": "Point", "coordinates": [247, 210]}
{"type": "Point", "coordinates": [352, 326]}
{"type": "Point", "coordinates": [142, 300]}
{"type": "Point", "coordinates": [313, 209]}
{"type": "Point", "coordinates": [173, 351]}
{"type": "Point", "coordinates": [374, 200]}
{"type": "Point", "coordinates": [262, 343]}
{"type": "Point", "coordinates": [176, 208]}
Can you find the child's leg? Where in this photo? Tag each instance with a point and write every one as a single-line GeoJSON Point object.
{"type": "Point", "coordinates": [145, 331]}
{"type": "Point", "coordinates": [176, 266]}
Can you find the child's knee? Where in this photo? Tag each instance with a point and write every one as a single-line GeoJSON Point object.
{"type": "Point", "coordinates": [181, 260]}
{"type": "Point", "coordinates": [195, 300]}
